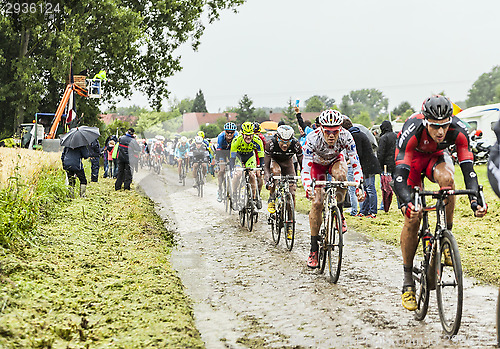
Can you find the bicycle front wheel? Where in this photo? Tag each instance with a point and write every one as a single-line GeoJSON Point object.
{"type": "Point", "coordinates": [422, 294]}
{"type": "Point", "coordinates": [289, 220]}
{"type": "Point", "coordinates": [249, 205]}
{"type": "Point", "coordinates": [449, 283]}
{"type": "Point", "coordinates": [335, 244]}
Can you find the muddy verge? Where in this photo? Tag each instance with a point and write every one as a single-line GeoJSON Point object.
{"type": "Point", "coordinates": [247, 292]}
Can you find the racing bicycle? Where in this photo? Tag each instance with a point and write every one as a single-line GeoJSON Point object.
{"type": "Point", "coordinates": [331, 241]}
{"type": "Point", "coordinates": [200, 177]}
{"type": "Point", "coordinates": [184, 167]}
{"type": "Point", "coordinates": [246, 203]}
{"type": "Point", "coordinates": [227, 189]}
{"type": "Point", "coordinates": [440, 267]}
{"type": "Point", "coordinates": [284, 217]}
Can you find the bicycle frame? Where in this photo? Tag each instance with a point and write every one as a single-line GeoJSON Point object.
{"type": "Point", "coordinates": [281, 218]}
{"type": "Point", "coordinates": [433, 272]}
{"type": "Point", "coordinates": [330, 235]}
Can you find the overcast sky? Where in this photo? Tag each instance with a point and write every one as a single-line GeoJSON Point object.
{"type": "Point", "coordinates": [274, 50]}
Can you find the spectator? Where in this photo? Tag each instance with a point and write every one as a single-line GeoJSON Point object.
{"type": "Point", "coordinates": [95, 153]}
{"type": "Point", "coordinates": [370, 167]}
{"type": "Point", "coordinates": [72, 164]}
{"type": "Point", "coordinates": [128, 150]}
{"type": "Point", "coordinates": [108, 156]}
{"type": "Point", "coordinates": [387, 149]}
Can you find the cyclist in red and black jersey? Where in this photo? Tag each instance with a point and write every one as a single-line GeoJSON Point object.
{"type": "Point", "coordinates": [420, 151]}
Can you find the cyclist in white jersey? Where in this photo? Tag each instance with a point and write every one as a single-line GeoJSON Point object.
{"type": "Point", "coordinates": [323, 155]}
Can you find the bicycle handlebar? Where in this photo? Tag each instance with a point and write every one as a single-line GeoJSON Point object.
{"type": "Point", "coordinates": [286, 177]}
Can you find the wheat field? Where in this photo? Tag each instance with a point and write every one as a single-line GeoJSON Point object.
{"type": "Point", "coordinates": [25, 164]}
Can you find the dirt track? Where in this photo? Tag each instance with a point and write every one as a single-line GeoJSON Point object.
{"type": "Point", "coordinates": [249, 293]}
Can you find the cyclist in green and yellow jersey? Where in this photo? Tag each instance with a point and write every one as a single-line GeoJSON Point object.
{"type": "Point", "coordinates": [243, 155]}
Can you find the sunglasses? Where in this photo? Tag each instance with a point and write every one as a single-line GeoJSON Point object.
{"type": "Point", "coordinates": [331, 132]}
{"type": "Point", "coordinates": [283, 141]}
{"type": "Point", "coordinates": [229, 132]}
{"type": "Point", "coordinates": [437, 126]}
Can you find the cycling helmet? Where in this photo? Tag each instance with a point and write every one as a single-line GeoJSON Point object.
{"type": "Point", "coordinates": [285, 132]}
{"type": "Point", "coordinates": [201, 134]}
{"type": "Point", "coordinates": [331, 118]}
{"type": "Point", "coordinates": [256, 127]}
{"type": "Point", "coordinates": [247, 128]}
{"type": "Point", "coordinates": [184, 139]}
{"type": "Point", "coordinates": [437, 107]}
{"type": "Point", "coordinates": [230, 126]}
{"type": "Point", "coordinates": [198, 139]}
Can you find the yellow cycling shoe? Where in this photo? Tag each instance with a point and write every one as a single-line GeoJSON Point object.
{"type": "Point", "coordinates": [408, 298]}
{"type": "Point", "coordinates": [447, 255]}
{"type": "Point", "coordinates": [271, 207]}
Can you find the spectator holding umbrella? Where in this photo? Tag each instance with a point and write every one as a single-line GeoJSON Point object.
{"type": "Point", "coordinates": [128, 150]}
{"type": "Point", "coordinates": [75, 144]}
{"type": "Point", "coordinates": [385, 155]}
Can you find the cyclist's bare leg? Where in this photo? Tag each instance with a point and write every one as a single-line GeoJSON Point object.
{"type": "Point", "coordinates": [339, 172]}
{"type": "Point", "coordinates": [179, 164]}
{"type": "Point", "coordinates": [409, 243]}
{"type": "Point", "coordinates": [253, 183]}
{"type": "Point", "coordinates": [236, 181]}
{"type": "Point", "coordinates": [260, 181]}
{"type": "Point", "coordinates": [275, 171]}
{"type": "Point", "coordinates": [195, 166]}
{"type": "Point", "coordinates": [220, 175]}
{"type": "Point", "coordinates": [443, 174]}
{"type": "Point", "coordinates": [316, 209]}
{"type": "Point", "coordinates": [204, 167]}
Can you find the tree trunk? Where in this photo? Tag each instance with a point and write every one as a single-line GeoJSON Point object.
{"type": "Point", "coordinates": [19, 118]}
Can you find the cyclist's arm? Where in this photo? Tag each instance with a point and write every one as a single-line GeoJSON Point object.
{"type": "Point", "coordinates": [465, 159]}
{"type": "Point", "coordinates": [267, 161]}
{"type": "Point", "coordinates": [404, 156]}
{"type": "Point", "coordinates": [260, 150]}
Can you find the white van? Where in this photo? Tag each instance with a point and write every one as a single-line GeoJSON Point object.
{"type": "Point", "coordinates": [484, 118]}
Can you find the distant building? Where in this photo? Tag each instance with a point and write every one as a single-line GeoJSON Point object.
{"type": "Point", "coordinates": [109, 118]}
{"type": "Point", "coordinates": [193, 121]}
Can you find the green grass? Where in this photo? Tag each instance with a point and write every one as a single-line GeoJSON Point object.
{"type": "Point", "coordinates": [97, 275]}
{"type": "Point", "coordinates": [478, 238]}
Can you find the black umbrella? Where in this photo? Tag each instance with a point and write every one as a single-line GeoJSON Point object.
{"type": "Point", "coordinates": [80, 136]}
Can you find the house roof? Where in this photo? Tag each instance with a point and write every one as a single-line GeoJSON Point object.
{"type": "Point", "coordinates": [109, 118]}
{"type": "Point", "coordinates": [192, 121]}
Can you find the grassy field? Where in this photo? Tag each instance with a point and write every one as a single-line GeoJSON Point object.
{"type": "Point", "coordinates": [95, 273]}
{"type": "Point", "coordinates": [478, 238]}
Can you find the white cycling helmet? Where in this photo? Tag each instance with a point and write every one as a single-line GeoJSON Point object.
{"type": "Point", "coordinates": [285, 132]}
{"type": "Point", "coordinates": [198, 139]}
{"type": "Point", "coordinates": [184, 139]}
{"type": "Point", "coordinates": [331, 118]}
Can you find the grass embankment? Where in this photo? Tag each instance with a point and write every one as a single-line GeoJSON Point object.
{"type": "Point", "coordinates": [478, 238]}
{"type": "Point", "coordinates": [95, 274]}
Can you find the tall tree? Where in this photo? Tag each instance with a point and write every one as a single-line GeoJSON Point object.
{"type": "Point", "coordinates": [314, 104]}
{"type": "Point", "coordinates": [135, 41]}
{"type": "Point", "coordinates": [245, 110]}
{"type": "Point", "coordinates": [371, 101]}
{"type": "Point", "coordinates": [486, 89]}
{"type": "Point", "coordinates": [289, 113]}
{"type": "Point", "coordinates": [402, 108]}
{"type": "Point", "coordinates": [199, 105]}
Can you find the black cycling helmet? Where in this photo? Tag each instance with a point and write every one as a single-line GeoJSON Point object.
{"type": "Point", "coordinates": [437, 107]}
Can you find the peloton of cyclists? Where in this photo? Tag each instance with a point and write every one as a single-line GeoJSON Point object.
{"type": "Point", "coordinates": [420, 151]}
{"type": "Point", "coordinates": [323, 155]}
{"type": "Point", "coordinates": [222, 150]}
{"type": "Point", "coordinates": [181, 152]}
{"type": "Point", "coordinates": [243, 155]}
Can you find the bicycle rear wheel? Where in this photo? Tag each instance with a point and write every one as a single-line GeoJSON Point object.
{"type": "Point", "coordinates": [449, 284]}
{"type": "Point", "coordinates": [289, 221]}
{"type": "Point", "coordinates": [335, 244]}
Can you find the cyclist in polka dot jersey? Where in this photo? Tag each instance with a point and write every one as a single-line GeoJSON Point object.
{"type": "Point", "coordinates": [322, 155]}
